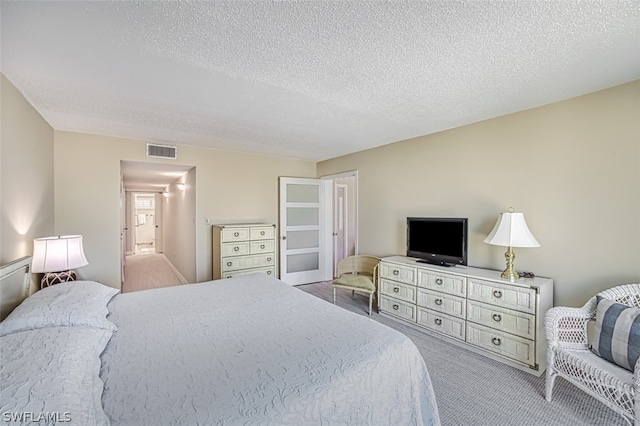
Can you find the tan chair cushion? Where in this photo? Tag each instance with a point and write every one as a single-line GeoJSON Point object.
{"type": "Point", "coordinates": [356, 281]}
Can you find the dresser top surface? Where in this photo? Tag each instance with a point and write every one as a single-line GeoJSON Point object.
{"type": "Point", "coordinates": [469, 271]}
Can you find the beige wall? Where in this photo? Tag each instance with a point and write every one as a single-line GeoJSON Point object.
{"type": "Point", "coordinates": [230, 187]}
{"type": "Point", "coordinates": [179, 226]}
{"type": "Point", "coordinates": [26, 175]}
{"type": "Point", "coordinates": [573, 169]}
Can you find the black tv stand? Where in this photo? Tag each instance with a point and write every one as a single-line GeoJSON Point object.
{"type": "Point", "coordinates": [447, 265]}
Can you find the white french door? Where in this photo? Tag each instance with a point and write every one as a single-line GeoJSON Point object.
{"type": "Point", "coordinates": [304, 231]}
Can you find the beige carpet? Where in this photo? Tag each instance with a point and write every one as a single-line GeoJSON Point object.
{"type": "Point", "coordinates": [148, 270]}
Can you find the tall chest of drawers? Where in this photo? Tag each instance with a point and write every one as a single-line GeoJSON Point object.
{"type": "Point", "coordinates": [470, 307]}
{"type": "Point", "coordinates": [241, 249]}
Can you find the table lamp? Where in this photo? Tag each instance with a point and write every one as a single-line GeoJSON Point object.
{"type": "Point", "coordinates": [511, 231]}
{"type": "Point", "coordinates": [56, 257]}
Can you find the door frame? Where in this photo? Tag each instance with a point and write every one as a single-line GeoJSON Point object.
{"type": "Point", "coordinates": [123, 228]}
{"type": "Point", "coordinates": [337, 217]}
{"type": "Point", "coordinates": [157, 223]}
{"type": "Point", "coordinates": [129, 223]}
{"type": "Point", "coordinates": [333, 177]}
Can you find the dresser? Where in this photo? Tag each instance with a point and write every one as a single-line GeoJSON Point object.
{"type": "Point", "coordinates": [241, 249]}
{"type": "Point", "coordinates": [470, 307]}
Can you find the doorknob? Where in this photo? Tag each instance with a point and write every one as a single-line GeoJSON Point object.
{"type": "Point", "coordinates": [284, 237]}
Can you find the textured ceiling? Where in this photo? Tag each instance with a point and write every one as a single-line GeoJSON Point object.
{"type": "Point", "coordinates": [308, 80]}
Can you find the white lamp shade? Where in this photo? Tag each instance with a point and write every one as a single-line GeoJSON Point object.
{"type": "Point", "coordinates": [511, 231]}
{"type": "Point", "coordinates": [56, 254]}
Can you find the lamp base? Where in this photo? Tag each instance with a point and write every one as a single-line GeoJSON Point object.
{"type": "Point", "coordinates": [509, 273]}
{"type": "Point", "coordinates": [51, 278]}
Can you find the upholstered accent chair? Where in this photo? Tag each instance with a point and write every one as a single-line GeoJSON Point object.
{"type": "Point", "coordinates": [573, 357]}
{"type": "Point", "coordinates": [357, 273]}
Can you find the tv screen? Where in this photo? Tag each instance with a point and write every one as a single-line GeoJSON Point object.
{"type": "Point", "coordinates": [441, 241]}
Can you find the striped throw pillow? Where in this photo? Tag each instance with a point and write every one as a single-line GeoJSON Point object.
{"type": "Point", "coordinates": [617, 333]}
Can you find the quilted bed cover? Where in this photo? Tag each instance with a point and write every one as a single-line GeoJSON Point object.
{"type": "Point", "coordinates": [254, 351]}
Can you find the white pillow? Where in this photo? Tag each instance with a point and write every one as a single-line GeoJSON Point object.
{"type": "Point", "coordinates": [74, 303]}
{"type": "Point", "coordinates": [51, 376]}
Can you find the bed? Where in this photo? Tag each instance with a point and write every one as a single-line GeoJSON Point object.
{"type": "Point", "coordinates": [247, 350]}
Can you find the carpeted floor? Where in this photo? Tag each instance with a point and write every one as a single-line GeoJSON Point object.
{"type": "Point", "coordinates": [148, 270]}
{"type": "Point", "coordinates": [474, 390]}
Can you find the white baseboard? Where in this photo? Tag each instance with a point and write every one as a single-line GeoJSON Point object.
{"type": "Point", "coordinates": [175, 271]}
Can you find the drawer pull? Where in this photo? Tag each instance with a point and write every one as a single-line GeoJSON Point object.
{"type": "Point", "coordinates": [439, 281]}
{"type": "Point", "coordinates": [497, 317]}
{"type": "Point", "coordinates": [229, 263]}
{"type": "Point", "coordinates": [497, 294]}
{"type": "Point", "coordinates": [262, 246]}
{"type": "Point", "coordinates": [236, 234]}
{"type": "Point", "coordinates": [438, 321]}
{"type": "Point", "coordinates": [261, 232]}
{"type": "Point", "coordinates": [438, 302]}
{"type": "Point", "coordinates": [496, 341]}
{"type": "Point", "coordinates": [268, 272]}
{"type": "Point", "coordinates": [395, 307]}
{"type": "Point", "coordinates": [396, 272]}
{"type": "Point", "coordinates": [396, 289]}
{"type": "Point", "coordinates": [268, 259]}
{"type": "Point", "coordinates": [236, 248]}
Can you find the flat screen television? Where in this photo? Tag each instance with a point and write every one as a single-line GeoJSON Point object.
{"type": "Point", "coordinates": [437, 240]}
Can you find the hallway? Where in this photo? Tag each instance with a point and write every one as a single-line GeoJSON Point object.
{"type": "Point", "coordinates": [144, 271]}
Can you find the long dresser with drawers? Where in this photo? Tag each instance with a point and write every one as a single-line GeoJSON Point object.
{"type": "Point", "coordinates": [241, 249]}
{"type": "Point", "coordinates": [471, 307]}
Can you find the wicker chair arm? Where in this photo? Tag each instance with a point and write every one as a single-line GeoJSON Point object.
{"type": "Point", "coordinates": [636, 374]}
{"type": "Point", "coordinates": [567, 327]}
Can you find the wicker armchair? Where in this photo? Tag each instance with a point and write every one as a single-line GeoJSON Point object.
{"type": "Point", "coordinates": [569, 356]}
{"type": "Point", "coordinates": [357, 273]}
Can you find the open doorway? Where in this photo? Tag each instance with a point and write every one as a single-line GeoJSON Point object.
{"type": "Point", "coordinates": [157, 224]}
{"type": "Point", "coordinates": [345, 215]}
{"type": "Point", "coordinates": [147, 223]}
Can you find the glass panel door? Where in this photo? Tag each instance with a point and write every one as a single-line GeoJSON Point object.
{"type": "Point", "coordinates": [301, 230]}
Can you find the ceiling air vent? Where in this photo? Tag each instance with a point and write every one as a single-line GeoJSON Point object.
{"type": "Point", "coordinates": [162, 151]}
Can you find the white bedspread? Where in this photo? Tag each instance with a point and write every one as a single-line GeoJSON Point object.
{"type": "Point", "coordinates": [254, 351]}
